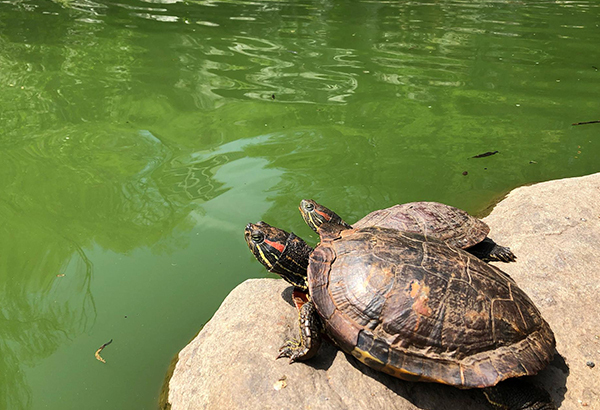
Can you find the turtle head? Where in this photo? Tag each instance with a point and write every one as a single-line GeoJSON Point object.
{"type": "Point", "coordinates": [280, 252]}
{"type": "Point", "coordinates": [316, 215]}
{"type": "Point", "coordinates": [266, 242]}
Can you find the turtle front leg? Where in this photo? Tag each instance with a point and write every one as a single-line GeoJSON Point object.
{"type": "Point", "coordinates": [310, 336]}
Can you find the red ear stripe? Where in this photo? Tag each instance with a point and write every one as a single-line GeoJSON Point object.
{"type": "Point", "coordinates": [324, 215]}
{"type": "Point", "coordinates": [279, 246]}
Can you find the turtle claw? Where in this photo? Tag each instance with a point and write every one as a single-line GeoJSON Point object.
{"type": "Point", "coordinates": [489, 251]}
{"type": "Point", "coordinates": [289, 349]}
{"type": "Point", "coordinates": [289, 354]}
{"type": "Point", "coordinates": [284, 353]}
{"type": "Point", "coordinates": [502, 253]}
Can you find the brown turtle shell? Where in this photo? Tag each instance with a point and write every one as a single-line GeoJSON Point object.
{"type": "Point", "coordinates": [422, 310]}
{"type": "Point", "coordinates": [432, 219]}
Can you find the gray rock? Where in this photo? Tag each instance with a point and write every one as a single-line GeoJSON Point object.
{"type": "Point", "coordinates": [553, 228]}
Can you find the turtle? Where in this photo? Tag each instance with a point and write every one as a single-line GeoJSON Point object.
{"type": "Point", "coordinates": [431, 219]}
{"type": "Point", "coordinates": [413, 307]}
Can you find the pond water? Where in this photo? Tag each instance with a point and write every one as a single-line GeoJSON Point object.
{"type": "Point", "coordinates": [138, 138]}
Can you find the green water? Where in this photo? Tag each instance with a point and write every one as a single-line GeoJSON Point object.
{"type": "Point", "coordinates": [137, 138]}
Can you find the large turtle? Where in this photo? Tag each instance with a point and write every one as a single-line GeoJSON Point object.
{"type": "Point", "coordinates": [415, 308]}
{"type": "Point", "coordinates": [431, 219]}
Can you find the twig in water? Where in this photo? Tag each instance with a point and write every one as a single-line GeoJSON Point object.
{"type": "Point", "coordinates": [586, 122]}
{"type": "Point", "coordinates": [485, 154]}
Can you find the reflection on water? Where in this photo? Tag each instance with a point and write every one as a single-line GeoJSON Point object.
{"type": "Point", "coordinates": [138, 137]}
{"type": "Point", "coordinates": [69, 189]}
{"type": "Point", "coordinates": [33, 324]}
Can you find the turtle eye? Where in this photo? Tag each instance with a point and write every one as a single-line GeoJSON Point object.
{"type": "Point", "coordinates": [309, 207]}
{"type": "Point", "coordinates": [257, 237]}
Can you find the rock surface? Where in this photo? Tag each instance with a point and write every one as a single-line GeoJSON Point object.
{"type": "Point", "coordinates": [552, 227]}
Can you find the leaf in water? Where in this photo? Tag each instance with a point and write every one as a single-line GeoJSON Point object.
{"type": "Point", "coordinates": [485, 154]}
{"type": "Point", "coordinates": [97, 354]}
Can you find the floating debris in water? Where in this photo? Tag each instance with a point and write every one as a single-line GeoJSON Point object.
{"type": "Point", "coordinates": [97, 354]}
{"type": "Point", "coordinates": [485, 154]}
{"type": "Point", "coordinates": [586, 122]}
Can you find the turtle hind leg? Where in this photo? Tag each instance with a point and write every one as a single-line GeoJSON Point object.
{"type": "Point", "coordinates": [310, 336]}
{"type": "Point", "coordinates": [517, 394]}
{"type": "Point", "coordinates": [488, 250]}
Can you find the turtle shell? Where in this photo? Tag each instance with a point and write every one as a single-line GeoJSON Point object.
{"type": "Point", "coordinates": [432, 219]}
{"type": "Point", "coordinates": [421, 310]}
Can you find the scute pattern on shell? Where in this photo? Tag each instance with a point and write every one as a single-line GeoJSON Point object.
{"type": "Point", "coordinates": [433, 219]}
{"type": "Point", "coordinates": [423, 310]}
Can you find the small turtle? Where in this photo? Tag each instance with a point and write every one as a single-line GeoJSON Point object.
{"type": "Point", "coordinates": [415, 308]}
{"type": "Point", "coordinates": [431, 219]}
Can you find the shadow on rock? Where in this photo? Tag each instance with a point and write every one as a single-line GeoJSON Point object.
{"type": "Point", "coordinates": [286, 295]}
{"type": "Point", "coordinates": [434, 396]}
